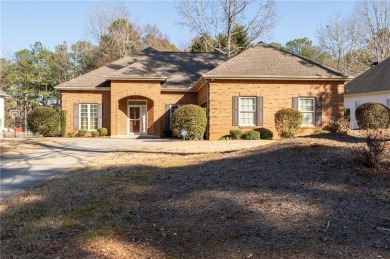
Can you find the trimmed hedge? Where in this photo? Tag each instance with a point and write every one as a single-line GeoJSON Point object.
{"type": "Point", "coordinates": [63, 123]}
{"type": "Point", "coordinates": [236, 134]}
{"type": "Point", "coordinates": [102, 131]}
{"type": "Point", "coordinates": [251, 135]}
{"type": "Point", "coordinates": [287, 122]}
{"type": "Point", "coordinates": [372, 116]}
{"type": "Point", "coordinates": [44, 121]}
{"type": "Point", "coordinates": [192, 118]}
{"type": "Point", "coordinates": [82, 133]}
{"type": "Point", "coordinates": [95, 134]}
{"type": "Point", "coordinates": [265, 133]}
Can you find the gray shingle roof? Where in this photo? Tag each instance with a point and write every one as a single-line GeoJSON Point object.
{"type": "Point", "coordinates": [182, 69]}
{"type": "Point", "coordinates": [376, 79]}
{"type": "Point", "coordinates": [264, 61]}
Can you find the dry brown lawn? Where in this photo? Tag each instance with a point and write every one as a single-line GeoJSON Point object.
{"type": "Point", "coordinates": [297, 198]}
{"type": "Point", "coordinates": [15, 146]}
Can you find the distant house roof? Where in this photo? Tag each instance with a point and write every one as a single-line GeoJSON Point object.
{"type": "Point", "coordinates": [176, 69]}
{"type": "Point", "coordinates": [376, 79]}
{"type": "Point", "coordinates": [263, 61]}
{"type": "Point", "coordinates": [2, 93]}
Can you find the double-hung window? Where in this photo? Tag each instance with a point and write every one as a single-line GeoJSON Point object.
{"type": "Point", "coordinates": [307, 107]}
{"type": "Point", "coordinates": [172, 109]}
{"type": "Point", "coordinates": [88, 116]}
{"type": "Point", "coordinates": [247, 111]}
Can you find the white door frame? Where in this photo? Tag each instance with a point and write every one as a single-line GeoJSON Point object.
{"type": "Point", "coordinates": [143, 118]}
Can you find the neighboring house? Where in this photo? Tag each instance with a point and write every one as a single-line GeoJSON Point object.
{"type": "Point", "coordinates": [138, 94]}
{"type": "Point", "coordinates": [3, 95]}
{"type": "Point", "coordinates": [371, 86]}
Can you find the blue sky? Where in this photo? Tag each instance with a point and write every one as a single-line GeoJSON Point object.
{"type": "Point", "coordinates": [53, 22]}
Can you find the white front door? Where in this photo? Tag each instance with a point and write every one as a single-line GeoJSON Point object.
{"type": "Point", "coordinates": [137, 119]}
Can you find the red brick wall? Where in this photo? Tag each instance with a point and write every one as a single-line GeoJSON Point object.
{"type": "Point", "coordinates": [276, 95]}
{"type": "Point", "coordinates": [123, 114]}
{"type": "Point", "coordinates": [115, 104]}
{"type": "Point", "coordinates": [69, 98]}
{"type": "Point", "coordinates": [121, 92]}
{"type": "Point", "coordinates": [203, 95]}
{"type": "Point", "coordinates": [181, 98]}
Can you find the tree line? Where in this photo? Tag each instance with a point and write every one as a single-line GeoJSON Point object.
{"type": "Point", "coordinates": [349, 44]}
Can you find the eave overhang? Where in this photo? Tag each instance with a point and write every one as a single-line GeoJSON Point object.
{"type": "Point", "coordinates": [283, 78]}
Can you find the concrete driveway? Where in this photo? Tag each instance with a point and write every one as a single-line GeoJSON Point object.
{"type": "Point", "coordinates": [31, 168]}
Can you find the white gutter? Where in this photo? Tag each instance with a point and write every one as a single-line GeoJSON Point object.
{"type": "Point", "coordinates": [267, 77]}
{"type": "Point", "coordinates": [83, 88]}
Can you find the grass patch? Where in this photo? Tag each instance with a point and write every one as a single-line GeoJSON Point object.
{"type": "Point", "coordinates": [269, 201]}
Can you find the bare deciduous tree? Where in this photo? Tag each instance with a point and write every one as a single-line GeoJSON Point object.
{"type": "Point", "coordinates": [374, 22]}
{"type": "Point", "coordinates": [100, 19]}
{"type": "Point", "coordinates": [211, 19]}
{"type": "Point", "coordinates": [339, 38]}
{"type": "Point", "coordinates": [153, 37]}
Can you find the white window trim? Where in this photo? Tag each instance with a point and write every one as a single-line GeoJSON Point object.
{"type": "Point", "coordinates": [144, 121]}
{"type": "Point", "coordinates": [313, 112]}
{"type": "Point", "coordinates": [239, 110]}
{"type": "Point", "coordinates": [88, 115]}
{"type": "Point", "coordinates": [171, 113]}
{"type": "Point", "coordinates": [136, 100]}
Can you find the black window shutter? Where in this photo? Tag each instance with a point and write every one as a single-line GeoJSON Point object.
{"type": "Point", "coordinates": [295, 103]}
{"type": "Point", "coordinates": [319, 111]}
{"type": "Point", "coordinates": [259, 114]}
{"type": "Point", "coordinates": [167, 118]}
{"type": "Point", "coordinates": [76, 116]}
{"type": "Point", "coordinates": [100, 115]}
{"type": "Point", "coordinates": [235, 121]}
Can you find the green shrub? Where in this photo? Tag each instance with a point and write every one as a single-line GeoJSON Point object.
{"type": "Point", "coordinates": [287, 122]}
{"type": "Point", "coordinates": [192, 118]}
{"type": "Point", "coordinates": [251, 135]}
{"type": "Point", "coordinates": [265, 133]}
{"type": "Point", "coordinates": [82, 133]}
{"type": "Point", "coordinates": [63, 123]}
{"type": "Point", "coordinates": [102, 131]}
{"type": "Point", "coordinates": [236, 134]}
{"type": "Point", "coordinates": [319, 132]}
{"type": "Point", "coordinates": [71, 134]}
{"type": "Point", "coordinates": [372, 116]}
{"type": "Point", "coordinates": [44, 121]}
{"type": "Point", "coordinates": [226, 137]}
{"type": "Point", "coordinates": [95, 134]}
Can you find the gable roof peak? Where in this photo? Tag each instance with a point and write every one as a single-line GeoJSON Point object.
{"type": "Point", "coordinates": [149, 50]}
{"type": "Point", "coordinates": [374, 79]}
{"type": "Point", "coordinates": [265, 61]}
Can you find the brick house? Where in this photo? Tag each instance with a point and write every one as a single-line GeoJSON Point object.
{"type": "Point", "coordinates": [138, 94]}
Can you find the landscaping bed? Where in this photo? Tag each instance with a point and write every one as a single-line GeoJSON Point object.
{"type": "Point", "coordinates": [296, 198]}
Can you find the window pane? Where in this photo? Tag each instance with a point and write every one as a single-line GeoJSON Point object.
{"type": "Point", "coordinates": [247, 118]}
{"type": "Point", "coordinates": [137, 102]}
{"type": "Point", "coordinates": [388, 103]}
{"type": "Point", "coordinates": [247, 104]}
{"type": "Point", "coordinates": [93, 117]}
{"type": "Point", "coordinates": [308, 118]}
{"type": "Point", "coordinates": [306, 105]}
{"type": "Point", "coordinates": [84, 116]}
